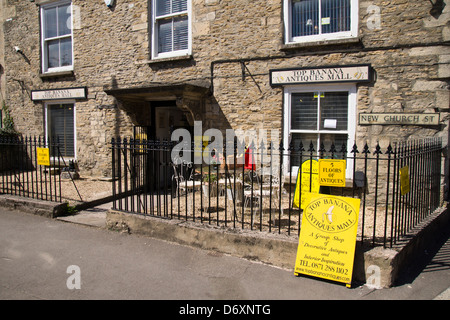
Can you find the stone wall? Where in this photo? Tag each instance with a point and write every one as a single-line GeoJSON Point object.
{"type": "Point", "coordinates": [237, 44]}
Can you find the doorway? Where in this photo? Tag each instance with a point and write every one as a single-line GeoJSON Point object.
{"type": "Point", "coordinates": [165, 118]}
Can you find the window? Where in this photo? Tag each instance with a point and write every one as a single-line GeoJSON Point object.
{"type": "Point", "coordinates": [171, 28]}
{"type": "Point", "coordinates": [325, 114]}
{"type": "Point", "coordinates": [316, 20]}
{"type": "Point", "coordinates": [56, 35]}
{"type": "Point", "coordinates": [61, 127]}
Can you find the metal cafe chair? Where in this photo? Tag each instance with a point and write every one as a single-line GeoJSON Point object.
{"type": "Point", "coordinates": [184, 184]}
{"type": "Point", "coordinates": [266, 185]}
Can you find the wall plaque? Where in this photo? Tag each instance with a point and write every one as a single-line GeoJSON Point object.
{"type": "Point", "coordinates": [57, 94]}
{"type": "Point", "coordinates": [357, 73]}
{"type": "Point", "coordinates": [399, 118]}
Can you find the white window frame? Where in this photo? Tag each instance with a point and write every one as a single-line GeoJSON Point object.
{"type": "Point", "coordinates": [58, 102]}
{"type": "Point", "coordinates": [351, 124]}
{"type": "Point", "coordinates": [353, 33]}
{"type": "Point", "coordinates": [171, 54]}
{"type": "Point", "coordinates": [45, 68]}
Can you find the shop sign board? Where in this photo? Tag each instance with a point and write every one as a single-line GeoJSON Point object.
{"type": "Point", "coordinates": [355, 73]}
{"type": "Point", "coordinates": [43, 156]}
{"type": "Point", "coordinates": [327, 241]}
{"type": "Point", "coordinates": [59, 94]}
{"type": "Point", "coordinates": [332, 172]}
{"type": "Point", "coordinates": [309, 177]}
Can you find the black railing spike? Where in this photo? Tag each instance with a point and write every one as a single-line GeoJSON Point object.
{"type": "Point", "coordinates": [281, 147]}
{"type": "Point", "coordinates": [354, 149]}
{"type": "Point", "coordinates": [389, 149]}
{"type": "Point", "coordinates": [366, 149]}
{"type": "Point", "coordinates": [322, 148]}
{"type": "Point", "coordinates": [311, 147]}
{"type": "Point", "coordinates": [291, 146]}
{"type": "Point", "coordinates": [332, 149]}
{"type": "Point", "coordinates": [262, 145]}
{"type": "Point", "coordinates": [377, 149]}
{"type": "Point", "coordinates": [343, 148]}
{"type": "Point", "coordinates": [300, 147]}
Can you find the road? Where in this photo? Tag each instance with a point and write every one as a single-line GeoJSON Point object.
{"type": "Point", "coordinates": [41, 258]}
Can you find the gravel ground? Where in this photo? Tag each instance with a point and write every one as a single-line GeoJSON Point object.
{"type": "Point", "coordinates": [88, 188]}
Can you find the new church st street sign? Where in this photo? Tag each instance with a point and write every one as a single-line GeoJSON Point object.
{"type": "Point", "coordinates": [430, 119]}
{"type": "Point", "coordinates": [356, 73]}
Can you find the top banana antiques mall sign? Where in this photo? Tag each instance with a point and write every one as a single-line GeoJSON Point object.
{"type": "Point", "coordinates": [357, 73]}
{"type": "Point", "coordinates": [326, 247]}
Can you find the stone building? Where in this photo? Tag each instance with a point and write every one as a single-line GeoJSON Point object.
{"type": "Point", "coordinates": [321, 70]}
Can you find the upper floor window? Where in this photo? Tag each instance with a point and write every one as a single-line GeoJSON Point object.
{"type": "Point", "coordinates": [56, 37]}
{"type": "Point", "coordinates": [171, 28]}
{"type": "Point", "coordinates": [317, 20]}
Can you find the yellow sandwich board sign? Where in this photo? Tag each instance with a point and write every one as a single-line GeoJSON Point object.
{"type": "Point", "coordinates": [43, 156]}
{"type": "Point", "coordinates": [327, 241]}
{"type": "Point", "coordinates": [332, 172]}
{"type": "Point", "coordinates": [309, 177]}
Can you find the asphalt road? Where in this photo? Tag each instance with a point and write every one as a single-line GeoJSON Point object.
{"type": "Point", "coordinates": [41, 258]}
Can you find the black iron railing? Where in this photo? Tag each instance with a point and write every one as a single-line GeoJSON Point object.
{"type": "Point", "coordinates": [21, 173]}
{"type": "Point", "coordinates": [260, 188]}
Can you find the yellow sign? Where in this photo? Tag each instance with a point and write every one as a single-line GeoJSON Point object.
{"type": "Point", "coordinates": [404, 180]}
{"type": "Point", "coordinates": [308, 180]}
{"type": "Point", "coordinates": [332, 172]}
{"type": "Point", "coordinates": [326, 247]}
{"type": "Point", "coordinates": [200, 143]}
{"type": "Point", "coordinates": [43, 156]}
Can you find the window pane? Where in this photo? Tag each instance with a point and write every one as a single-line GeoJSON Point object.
{"type": "Point", "coordinates": [333, 110]}
{"type": "Point", "coordinates": [180, 33]}
{"type": "Point", "coordinates": [61, 127]}
{"type": "Point", "coordinates": [179, 6]}
{"type": "Point", "coordinates": [304, 111]}
{"type": "Point", "coordinates": [50, 23]}
{"type": "Point", "coordinates": [66, 52]}
{"type": "Point", "coordinates": [305, 17]}
{"type": "Point", "coordinates": [162, 7]}
{"type": "Point", "coordinates": [53, 54]}
{"type": "Point", "coordinates": [165, 35]}
{"type": "Point", "coordinates": [338, 140]}
{"type": "Point", "coordinates": [335, 16]}
{"type": "Point", "coordinates": [306, 139]}
{"type": "Point", "coordinates": [64, 20]}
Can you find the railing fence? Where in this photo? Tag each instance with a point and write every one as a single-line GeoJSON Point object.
{"type": "Point", "coordinates": [255, 190]}
{"type": "Point", "coordinates": [20, 173]}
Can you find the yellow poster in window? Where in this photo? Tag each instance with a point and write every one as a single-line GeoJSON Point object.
{"type": "Point", "coordinates": [327, 241]}
{"type": "Point", "coordinates": [43, 156]}
{"type": "Point", "coordinates": [309, 177]}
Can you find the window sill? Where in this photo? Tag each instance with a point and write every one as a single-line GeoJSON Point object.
{"type": "Point", "coordinates": [60, 74]}
{"type": "Point", "coordinates": [165, 60]}
{"type": "Point", "coordinates": [302, 45]}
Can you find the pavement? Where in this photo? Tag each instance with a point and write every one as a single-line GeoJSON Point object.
{"type": "Point", "coordinates": [94, 217]}
{"type": "Point", "coordinates": [33, 262]}
{"type": "Point", "coordinates": [421, 281]}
